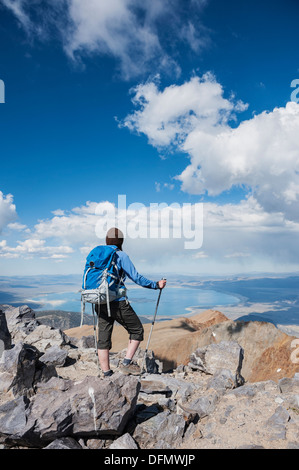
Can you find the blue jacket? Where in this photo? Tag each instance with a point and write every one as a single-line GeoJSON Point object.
{"type": "Point", "coordinates": [127, 269]}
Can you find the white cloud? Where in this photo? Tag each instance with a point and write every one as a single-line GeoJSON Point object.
{"type": "Point", "coordinates": [58, 212]}
{"type": "Point", "coordinates": [260, 154]}
{"type": "Point", "coordinates": [17, 7]}
{"type": "Point", "coordinates": [112, 28]}
{"type": "Point", "coordinates": [7, 210]}
{"type": "Point", "coordinates": [128, 30]}
{"type": "Point", "coordinates": [33, 247]}
{"type": "Point", "coordinates": [168, 117]}
{"type": "Point", "coordinates": [235, 237]}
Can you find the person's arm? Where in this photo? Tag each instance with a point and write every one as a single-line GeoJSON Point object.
{"type": "Point", "coordinates": [130, 270]}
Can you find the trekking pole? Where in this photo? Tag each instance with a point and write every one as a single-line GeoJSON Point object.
{"type": "Point", "coordinates": [95, 335]}
{"type": "Point", "coordinates": [153, 322]}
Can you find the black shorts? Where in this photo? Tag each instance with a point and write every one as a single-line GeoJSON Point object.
{"type": "Point", "coordinates": [122, 312]}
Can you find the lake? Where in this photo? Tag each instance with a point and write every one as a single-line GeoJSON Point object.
{"type": "Point", "coordinates": [174, 301]}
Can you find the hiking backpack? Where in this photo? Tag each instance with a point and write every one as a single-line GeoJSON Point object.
{"type": "Point", "coordinates": [101, 279]}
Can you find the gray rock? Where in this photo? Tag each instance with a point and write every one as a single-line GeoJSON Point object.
{"type": "Point", "coordinates": [143, 413]}
{"type": "Point", "coordinates": [280, 417]}
{"type": "Point", "coordinates": [5, 336]}
{"type": "Point", "coordinates": [224, 355]}
{"type": "Point", "coordinates": [95, 443]}
{"type": "Point", "coordinates": [54, 356]}
{"type": "Point", "coordinates": [249, 390]}
{"type": "Point", "coordinates": [292, 401]}
{"type": "Point", "coordinates": [151, 385]}
{"type": "Point", "coordinates": [89, 408]}
{"type": "Point", "coordinates": [13, 418]}
{"type": "Point", "coordinates": [289, 385]}
{"type": "Point", "coordinates": [124, 442]}
{"type": "Point", "coordinates": [246, 390]}
{"type": "Point", "coordinates": [191, 430]}
{"type": "Point", "coordinates": [197, 359]}
{"type": "Point", "coordinates": [163, 431]}
{"type": "Point", "coordinates": [20, 369]}
{"type": "Point", "coordinates": [277, 423]}
{"type": "Point", "coordinates": [86, 342]}
{"type": "Point", "coordinates": [156, 398]}
{"type": "Point", "coordinates": [64, 443]}
{"type": "Point", "coordinates": [178, 389]}
{"type": "Point", "coordinates": [189, 414]}
{"type": "Point", "coordinates": [21, 321]}
{"type": "Point", "coordinates": [111, 402]}
{"type": "Point", "coordinates": [204, 405]}
{"type": "Point", "coordinates": [44, 337]}
{"type": "Point", "coordinates": [223, 380]}
{"type": "Point", "coordinates": [22, 314]}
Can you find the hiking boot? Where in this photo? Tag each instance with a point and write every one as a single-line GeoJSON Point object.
{"type": "Point", "coordinates": [131, 369]}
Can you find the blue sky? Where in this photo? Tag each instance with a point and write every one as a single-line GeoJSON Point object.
{"type": "Point", "coordinates": [206, 77]}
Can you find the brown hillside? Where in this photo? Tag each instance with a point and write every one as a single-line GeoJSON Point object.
{"type": "Point", "coordinates": [267, 349]}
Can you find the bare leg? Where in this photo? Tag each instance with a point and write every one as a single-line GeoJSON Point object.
{"type": "Point", "coordinates": [104, 359]}
{"type": "Point", "coordinates": [132, 348]}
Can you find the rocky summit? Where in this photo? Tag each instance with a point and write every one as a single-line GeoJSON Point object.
{"type": "Point", "coordinates": [216, 394]}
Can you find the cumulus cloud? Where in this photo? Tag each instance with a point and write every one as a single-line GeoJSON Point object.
{"type": "Point", "coordinates": [251, 238]}
{"type": "Point", "coordinates": [128, 30]}
{"type": "Point", "coordinates": [168, 117]}
{"type": "Point", "coordinates": [7, 210]}
{"type": "Point", "coordinates": [260, 154]}
{"type": "Point", "coordinates": [246, 230]}
{"type": "Point", "coordinates": [33, 247]}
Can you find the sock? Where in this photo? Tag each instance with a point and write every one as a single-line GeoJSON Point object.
{"type": "Point", "coordinates": [108, 373]}
{"type": "Point", "coordinates": [126, 361]}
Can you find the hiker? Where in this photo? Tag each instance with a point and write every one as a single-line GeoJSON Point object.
{"type": "Point", "coordinates": [122, 312]}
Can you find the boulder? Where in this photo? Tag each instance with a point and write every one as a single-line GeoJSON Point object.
{"type": "Point", "coordinates": [164, 431]}
{"type": "Point", "coordinates": [226, 355]}
{"type": "Point", "coordinates": [93, 407]}
{"type": "Point", "coordinates": [24, 327]}
{"type": "Point", "coordinates": [110, 403]}
{"type": "Point", "coordinates": [44, 337]}
{"type": "Point", "coordinates": [20, 370]}
{"type": "Point", "coordinates": [21, 321]}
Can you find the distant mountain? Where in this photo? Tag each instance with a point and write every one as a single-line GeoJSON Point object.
{"type": "Point", "coordinates": [62, 319]}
